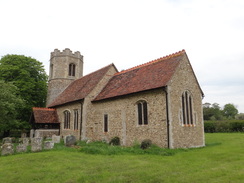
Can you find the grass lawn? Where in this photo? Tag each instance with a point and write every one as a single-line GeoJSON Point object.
{"type": "Point", "coordinates": [222, 160]}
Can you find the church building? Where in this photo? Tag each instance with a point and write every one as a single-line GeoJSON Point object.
{"type": "Point", "coordinates": [160, 100]}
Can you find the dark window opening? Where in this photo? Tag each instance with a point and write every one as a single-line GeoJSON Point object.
{"type": "Point", "coordinates": [71, 69]}
{"type": "Point", "coordinates": [105, 123]}
{"type": "Point", "coordinates": [66, 120]}
{"type": "Point", "coordinates": [142, 113]}
{"type": "Point", "coordinates": [187, 110]}
{"type": "Point", "coordinates": [76, 116]}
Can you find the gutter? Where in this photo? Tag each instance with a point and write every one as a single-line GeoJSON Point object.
{"type": "Point", "coordinates": [167, 117]}
{"type": "Point", "coordinates": [81, 116]}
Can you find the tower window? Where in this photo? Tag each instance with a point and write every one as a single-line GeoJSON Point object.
{"type": "Point", "coordinates": [71, 69]}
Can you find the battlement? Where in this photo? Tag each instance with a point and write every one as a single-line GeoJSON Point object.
{"type": "Point", "coordinates": [66, 52]}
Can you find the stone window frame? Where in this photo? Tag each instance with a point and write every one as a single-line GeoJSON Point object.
{"type": "Point", "coordinates": [72, 68]}
{"type": "Point", "coordinates": [187, 109]}
{"type": "Point", "coordinates": [105, 123]}
{"type": "Point", "coordinates": [67, 115]}
{"type": "Point", "coordinates": [76, 119]}
{"type": "Point", "coordinates": [142, 112]}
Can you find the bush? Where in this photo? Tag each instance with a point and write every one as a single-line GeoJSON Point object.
{"type": "Point", "coordinates": [224, 126]}
{"type": "Point", "coordinates": [145, 144]}
{"type": "Point", "coordinates": [115, 141]}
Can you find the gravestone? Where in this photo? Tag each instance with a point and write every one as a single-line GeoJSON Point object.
{"type": "Point", "coordinates": [69, 140]}
{"type": "Point", "coordinates": [37, 133]}
{"type": "Point", "coordinates": [36, 144]}
{"type": "Point", "coordinates": [56, 139]}
{"type": "Point", "coordinates": [48, 145]}
{"type": "Point", "coordinates": [21, 148]}
{"type": "Point", "coordinates": [23, 135]}
{"type": "Point", "coordinates": [24, 141]}
{"type": "Point", "coordinates": [7, 149]}
{"type": "Point", "coordinates": [32, 133]}
{"type": "Point", "coordinates": [7, 140]}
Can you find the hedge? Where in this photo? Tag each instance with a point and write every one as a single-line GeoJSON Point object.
{"type": "Point", "coordinates": [224, 126]}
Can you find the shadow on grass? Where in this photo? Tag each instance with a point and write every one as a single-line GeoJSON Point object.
{"type": "Point", "coordinates": [213, 144]}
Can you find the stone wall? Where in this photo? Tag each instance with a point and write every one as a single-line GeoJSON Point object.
{"type": "Point", "coordinates": [71, 108]}
{"type": "Point", "coordinates": [123, 119]}
{"type": "Point", "coordinates": [122, 114]}
{"type": "Point", "coordinates": [46, 132]}
{"type": "Point", "coordinates": [185, 135]}
{"type": "Point", "coordinates": [83, 107]}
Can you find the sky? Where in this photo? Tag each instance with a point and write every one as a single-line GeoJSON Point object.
{"type": "Point", "coordinates": [132, 32]}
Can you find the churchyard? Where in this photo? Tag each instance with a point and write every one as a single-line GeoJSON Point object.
{"type": "Point", "coordinates": [222, 160]}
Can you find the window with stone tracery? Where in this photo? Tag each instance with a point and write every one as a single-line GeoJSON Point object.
{"type": "Point", "coordinates": [187, 109]}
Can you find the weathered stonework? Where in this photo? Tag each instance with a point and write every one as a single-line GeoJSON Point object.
{"type": "Point", "coordinates": [69, 140]}
{"type": "Point", "coordinates": [192, 135]}
{"type": "Point", "coordinates": [48, 145]}
{"type": "Point", "coordinates": [123, 120]}
{"type": "Point", "coordinates": [56, 139]}
{"type": "Point", "coordinates": [36, 144]}
{"type": "Point", "coordinates": [21, 148]}
{"type": "Point", "coordinates": [7, 140]}
{"type": "Point", "coordinates": [46, 133]}
{"type": "Point", "coordinates": [164, 105]}
{"type": "Point", "coordinates": [59, 77]}
{"type": "Point", "coordinates": [7, 149]}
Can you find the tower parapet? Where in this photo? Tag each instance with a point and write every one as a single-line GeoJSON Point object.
{"type": "Point", "coordinates": [66, 52]}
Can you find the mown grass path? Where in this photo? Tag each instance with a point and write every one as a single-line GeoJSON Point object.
{"type": "Point", "coordinates": [222, 160]}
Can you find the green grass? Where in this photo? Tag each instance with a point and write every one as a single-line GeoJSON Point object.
{"type": "Point", "coordinates": [222, 160]}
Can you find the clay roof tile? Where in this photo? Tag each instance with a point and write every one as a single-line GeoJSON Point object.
{"type": "Point", "coordinates": [151, 75]}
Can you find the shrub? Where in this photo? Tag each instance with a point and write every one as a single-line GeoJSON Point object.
{"type": "Point", "coordinates": [115, 141]}
{"type": "Point", "coordinates": [145, 144]}
{"type": "Point", "coordinates": [224, 126]}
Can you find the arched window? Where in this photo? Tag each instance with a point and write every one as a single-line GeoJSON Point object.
{"type": "Point", "coordinates": [76, 117]}
{"type": "Point", "coordinates": [187, 111]}
{"type": "Point", "coordinates": [66, 119]}
{"type": "Point", "coordinates": [142, 113]}
{"type": "Point", "coordinates": [71, 69]}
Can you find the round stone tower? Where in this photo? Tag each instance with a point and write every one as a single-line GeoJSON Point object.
{"type": "Point", "coordinates": [65, 67]}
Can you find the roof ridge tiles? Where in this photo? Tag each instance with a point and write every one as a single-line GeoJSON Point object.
{"type": "Point", "coordinates": [44, 108]}
{"type": "Point", "coordinates": [153, 61]}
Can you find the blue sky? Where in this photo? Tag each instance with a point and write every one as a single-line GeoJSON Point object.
{"type": "Point", "coordinates": [131, 32]}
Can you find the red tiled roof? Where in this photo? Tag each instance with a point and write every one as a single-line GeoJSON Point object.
{"type": "Point", "coordinates": [80, 88]}
{"type": "Point", "coordinates": [151, 75]}
{"type": "Point", "coordinates": [45, 115]}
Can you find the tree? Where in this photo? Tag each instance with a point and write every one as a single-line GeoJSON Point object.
{"type": "Point", "coordinates": [230, 111]}
{"type": "Point", "coordinates": [29, 76]}
{"type": "Point", "coordinates": [10, 103]}
{"type": "Point", "coordinates": [212, 111]}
